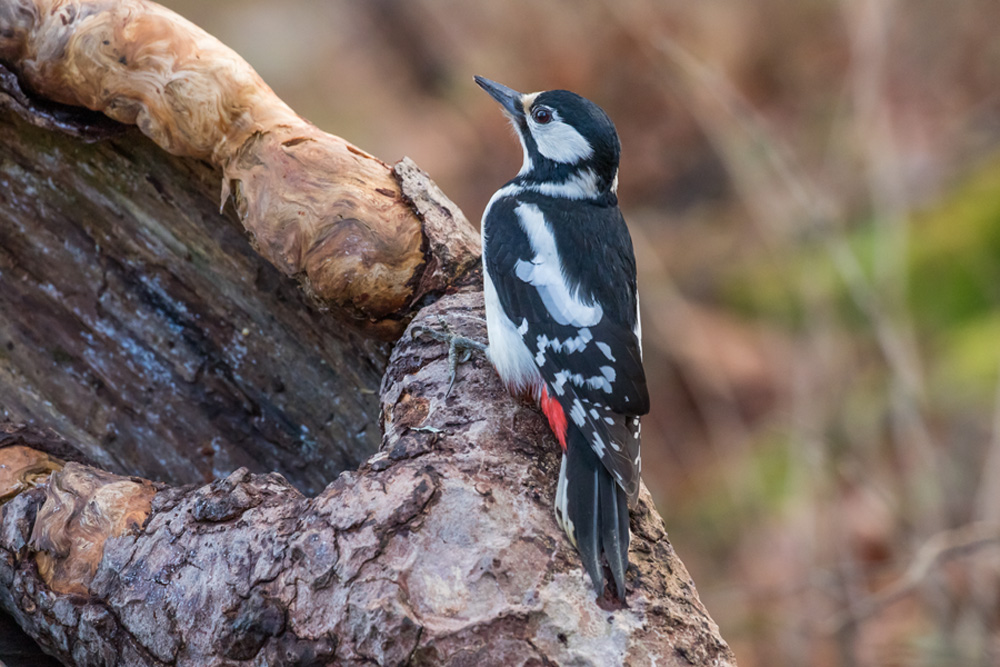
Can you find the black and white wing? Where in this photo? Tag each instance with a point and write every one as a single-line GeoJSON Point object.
{"type": "Point", "coordinates": [579, 321]}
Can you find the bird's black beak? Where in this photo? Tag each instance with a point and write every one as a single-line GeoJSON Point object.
{"type": "Point", "coordinates": [508, 98]}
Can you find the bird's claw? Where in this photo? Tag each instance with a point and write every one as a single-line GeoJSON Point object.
{"type": "Point", "coordinates": [460, 348]}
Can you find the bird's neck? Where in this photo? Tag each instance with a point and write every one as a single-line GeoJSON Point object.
{"type": "Point", "coordinates": [581, 182]}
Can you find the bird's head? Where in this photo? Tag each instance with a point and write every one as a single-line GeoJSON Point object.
{"type": "Point", "coordinates": [567, 139]}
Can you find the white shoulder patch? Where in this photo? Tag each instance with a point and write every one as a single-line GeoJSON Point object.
{"type": "Point", "coordinates": [544, 273]}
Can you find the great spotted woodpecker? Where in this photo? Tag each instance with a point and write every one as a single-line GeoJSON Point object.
{"type": "Point", "coordinates": [562, 311]}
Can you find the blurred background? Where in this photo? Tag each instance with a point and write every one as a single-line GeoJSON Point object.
{"type": "Point", "coordinates": [813, 189]}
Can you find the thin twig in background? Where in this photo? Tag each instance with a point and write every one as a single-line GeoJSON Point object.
{"type": "Point", "coordinates": [670, 315]}
{"type": "Point", "coordinates": [939, 549]}
{"type": "Point", "coordinates": [909, 427]}
{"type": "Point", "coordinates": [867, 24]}
{"type": "Point", "coordinates": [984, 574]}
{"type": "Point", "coordinates": [738, 132]}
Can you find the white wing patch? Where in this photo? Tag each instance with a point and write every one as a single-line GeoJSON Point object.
{"type": "Point", "coordinates": [606, 349]}
{"type": "Point", "coordinates": [572, 344]}
{"type": "Point", "coordinates": [544, 273]}
{"type": "Point", "coordinates": [596, 382]}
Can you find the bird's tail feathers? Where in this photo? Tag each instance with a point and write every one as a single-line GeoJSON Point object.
{"type": "Point", "coordinates": [593, 512]}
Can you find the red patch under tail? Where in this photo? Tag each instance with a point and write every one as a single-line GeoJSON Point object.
{"type": "Point", "coordinates": [557, 418]}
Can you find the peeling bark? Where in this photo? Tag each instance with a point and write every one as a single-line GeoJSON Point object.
{"type": "Point", "coordinates": [317, 207]}
{"type": "Point", "coordinates": [441, 549]}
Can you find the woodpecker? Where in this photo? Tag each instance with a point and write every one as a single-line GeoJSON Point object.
{"type": "Point", "coordinates": [562, 312]}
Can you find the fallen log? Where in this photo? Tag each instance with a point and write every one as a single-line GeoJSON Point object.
{"type": "Point", "coordinates": [440, 549]}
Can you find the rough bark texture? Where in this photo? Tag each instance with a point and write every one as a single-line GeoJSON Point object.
{"type": "Point", "coordinates": [17, 650]}
{"type": "Point", "coordinates": [317, 207]}
{"type": "Point", "coordinates": [441, 549]}
{"type": "Point", "coordinates": [139, 323]}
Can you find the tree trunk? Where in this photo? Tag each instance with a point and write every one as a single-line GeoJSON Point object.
{"type": "Point", "coordinates": [144, 336]}
{"type": "Point", "coordinates": [140, 323]}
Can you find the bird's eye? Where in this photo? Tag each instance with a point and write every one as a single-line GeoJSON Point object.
{"type": "Point", "coordinates": [541, 115]}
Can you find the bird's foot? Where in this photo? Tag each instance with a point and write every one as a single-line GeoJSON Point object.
{"type": "Point", "coordinates": [460, 348]}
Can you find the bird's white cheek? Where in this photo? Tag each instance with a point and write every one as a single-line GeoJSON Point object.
{"type": "Point", "coordinates": [561, 142]}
